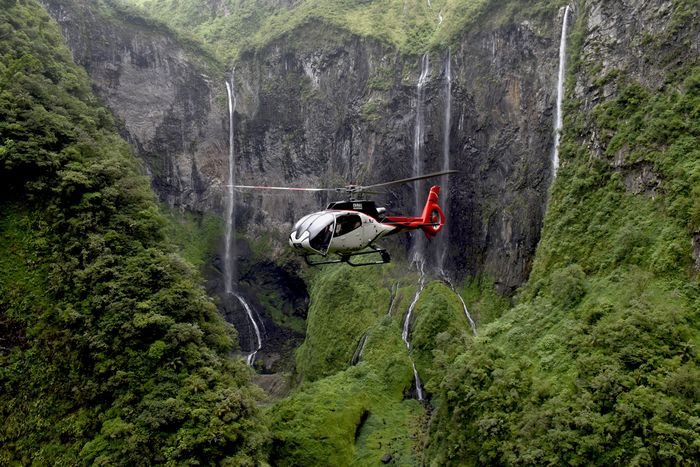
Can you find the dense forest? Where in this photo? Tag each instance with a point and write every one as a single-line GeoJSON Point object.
{"type": "Point", "coordinates": [113, 348]}
{"type": "Point", "coordinates": [111, 351]}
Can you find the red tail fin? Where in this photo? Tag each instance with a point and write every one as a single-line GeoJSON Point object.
{"type": "Point", "coordinates": [433, 218]}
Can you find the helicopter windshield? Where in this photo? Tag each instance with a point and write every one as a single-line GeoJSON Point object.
{"type": "Point", "coordinates": [321, 232]}
{"type": "Point", "coordinates": [303, 223]}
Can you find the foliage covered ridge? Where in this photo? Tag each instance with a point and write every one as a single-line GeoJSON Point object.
{"type": "Point", "coordinates": [111, 353]}
{"type": "Point", "coordinates": [412, 26]}
{"type": "Point", "coordinates": [598, 362]}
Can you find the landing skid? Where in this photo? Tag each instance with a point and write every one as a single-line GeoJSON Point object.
{"type": "Point", "coordinates": [347, 258]}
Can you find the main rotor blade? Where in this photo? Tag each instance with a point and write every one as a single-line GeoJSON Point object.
{"type": "Point", "coordinates": [285, 188]}
{"type": "Point", "coordinates": [411, 179]}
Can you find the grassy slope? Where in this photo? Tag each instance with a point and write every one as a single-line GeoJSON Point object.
{"type": "Point", "coordinates": [598, 361]}
{"type": "Point", "coordinates": [412, 26]}
{"type": "Point", "coordinates": [343, 414]}
{"type": "Point", "coordinates": [111, 352]}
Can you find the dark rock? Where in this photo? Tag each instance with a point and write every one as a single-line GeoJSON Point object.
{"type": "Point", "coordinates": [386, 458]}
{"type": "Point", "coordinates": [641, 179]}
{"type": "Point", "coordinates": [330, 108]}
{"type": "Point", "coordinates": [304, 120]}
{"type": "Point", "coordinates": [160, 92]}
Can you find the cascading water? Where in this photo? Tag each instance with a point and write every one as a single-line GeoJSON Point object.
{"type": "Point", "coordinates": [558, 118]}
{"type": "Point", "coordinates": [407, 321]}
{"type": "Point", "coordinates": [418, 137]}
{"type": "Point", "coordinates": [466, 313]}
{"type": "Point", "coordinates": [357, 356]}
{"type": "Point", "coordinates": [251, 357]}
{"type": "Point", "coordinates": [405, 335]}
{"type": "Point", "coordinates": [392, 297]}
{"type": "Point", "coordinates": [446, 163]}
{"type": "Point", "coordinates": [472, 324]}
{"type": "Point", "coordinates": [230, 246]}
{"type": "Point", "coordinates": [418, 247]}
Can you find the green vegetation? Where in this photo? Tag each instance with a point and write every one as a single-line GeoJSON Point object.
{"type": "Point", "coordinates": [440, 332]}
{"type": "Point", "coordinates": [597, 362]}
{"type": "Point", "coordinates": [370, 110]}
{"type": "Point", "coordinates": [412, 26]}
{"type": "Point", "coordinates": [354, 415]}
{"type": "Point", "coordinates": [195, 235]}
{"type": "Point", "coordinates": [110, 352]}
{"type": "Point", "coordinates": [330, 342]}
{"type": "Point", "coordinates": [484, 303]}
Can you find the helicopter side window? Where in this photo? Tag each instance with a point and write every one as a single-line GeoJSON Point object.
{"type": "Point", "coordinates": [346, 223]}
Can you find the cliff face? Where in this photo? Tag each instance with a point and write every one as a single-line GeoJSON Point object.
{"type": "Point", "coordinates": [161, 93]}
{"type": "Point", "coordinates": [634, 43]}
{"type": "Point", "coordinates": [503, 138]}
{"type": "Point", "coordinates": [343, 111]}
{"type": "Point", "coordinates": [625, 43]}
{"type": "Point", "coordinates": [324, 107]}
{"type": "Point", "coordinates": [623, 211]}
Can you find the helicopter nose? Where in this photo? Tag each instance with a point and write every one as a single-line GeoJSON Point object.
{"type": "Point", "coordinates": [301, 241]}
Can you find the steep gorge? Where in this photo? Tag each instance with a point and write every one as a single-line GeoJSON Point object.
{"type": "Point", "coordinates": [320, 104]}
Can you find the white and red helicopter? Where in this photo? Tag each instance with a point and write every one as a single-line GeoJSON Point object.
{"type": "Point", "coordinates": [346, 229]}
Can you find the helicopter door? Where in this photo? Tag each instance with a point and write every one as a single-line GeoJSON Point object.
{"type": "Point", "coordinates": [321, 232]}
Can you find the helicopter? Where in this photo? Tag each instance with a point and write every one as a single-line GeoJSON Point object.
{"type": "Point", "coordinates": [349, 229]}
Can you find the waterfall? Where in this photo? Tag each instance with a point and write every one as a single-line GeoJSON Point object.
{"type": "Point", "coordinates": [230, 276]}
{"type": "Point", "coordinates": [418, 140]}
{"type": "Point", "coordinates": [446, 163]}
{"type": "Point", "coordinates": [406, 328]}
{"type": "Point", "coordinates": [419, 387]}
{"type": "Point", "coordinates": [558, 118]}
{"type": "Point", "coordinates": [229, 247]}
{"type": "Point", "coordinates": [393, 291]}
{"type": "Point", "coordinates": [468, 315]}
{"type": "Point", "coordinates": [359, 351]}
{"type": "Point", "coordinates": [407, 321]}
{"type": "Point", "coordinates": [251, 357]}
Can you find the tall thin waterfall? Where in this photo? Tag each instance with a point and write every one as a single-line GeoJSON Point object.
{"type": "Point", "coordinates": [558, 118]}
{"type": "Point", "coordinates": [251, 357]}
{"type": "Point", "coordinates": [405, 335]}
{"type": "Point", "coordinates": [230, 276]}
{"type": "Point", "coordinates": [393, 291]}
{"type": "Point", "coordinates": [357, 356]}
{"type": "Point", "coordinates": [418, 141]}
{"type": "Point", "coordinates": [446, 163]}
{"type": "Point", "coordinates": [468, 315]}
{"type": "Point", "coordinates": [229, 247]}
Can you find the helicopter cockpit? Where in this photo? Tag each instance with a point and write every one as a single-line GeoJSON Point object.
{"type": "Point", "coordinates": [316, 231]}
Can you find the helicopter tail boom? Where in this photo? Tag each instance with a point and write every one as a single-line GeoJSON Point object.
{"type": "Point", "coordinates": [431, 220]}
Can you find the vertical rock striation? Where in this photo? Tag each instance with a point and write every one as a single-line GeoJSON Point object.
{"type": "Point", "coordinates": [336, 111]}
{"type": "Point", "coordinates": [323, 107]}
{"type": "Point", "coordinates": [159, 89]}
